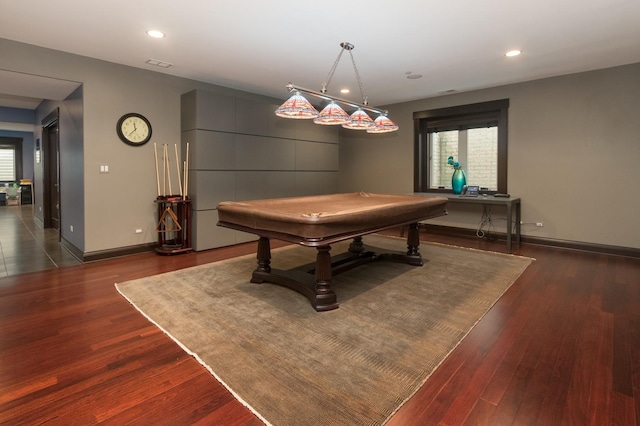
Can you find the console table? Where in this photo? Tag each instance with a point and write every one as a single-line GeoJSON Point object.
{"type": "Point", "coordinates": [512, 205]}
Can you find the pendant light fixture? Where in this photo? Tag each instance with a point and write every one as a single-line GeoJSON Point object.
{"type": "Point", "coordinates": [298, 107]}
{"type": "Point", "coordinates": [332, 114]}
{"type": "Point", "coordinates": [359, 120]}
{"type": "Point", "coordinates": [382, 125]}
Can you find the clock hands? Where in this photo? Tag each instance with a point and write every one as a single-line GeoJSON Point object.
{"type": "Point", "coordinates": [135, 129]}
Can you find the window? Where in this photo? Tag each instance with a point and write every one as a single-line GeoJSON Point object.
{"type": "Point", "coordinates": [10, 159]}
{"type": "Point", "coordinates": [475, 135]}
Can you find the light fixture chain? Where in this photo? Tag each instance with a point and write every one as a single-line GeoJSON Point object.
{"type": "Point", "coordinates": [327, 80]}
{"type": "Point", "coordinates": [365, 101]}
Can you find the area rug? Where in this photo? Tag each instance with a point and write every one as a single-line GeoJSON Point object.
{"type": "Point", "coordinates": [355, 365]}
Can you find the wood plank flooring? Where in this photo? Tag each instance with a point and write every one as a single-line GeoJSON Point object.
{"type": "Point", "coordinates": [562, 346]}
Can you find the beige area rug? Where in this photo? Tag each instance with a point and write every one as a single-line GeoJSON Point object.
{"type": "Point", "coordinates": [355, 365]}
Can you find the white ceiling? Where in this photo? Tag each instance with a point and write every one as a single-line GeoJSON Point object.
{"type": "Point", "coordinates": [19, 90]}
{"type": "Point", "coordinates": [261, 45]}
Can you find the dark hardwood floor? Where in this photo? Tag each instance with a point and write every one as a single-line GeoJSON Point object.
{"type": "Point", "coordinates": [562, 346]}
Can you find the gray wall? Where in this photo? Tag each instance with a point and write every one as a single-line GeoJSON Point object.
{"type": "Point", "coordinates": [70, 139]}
{"type": "Point", "coordinates": [572, 149]}
{"type": "Point", "coordinates": [105, 209]}
{"type": "Point", "coordinates": [239, 150]}
{"type": "Point", "coordinates": [573, 155]}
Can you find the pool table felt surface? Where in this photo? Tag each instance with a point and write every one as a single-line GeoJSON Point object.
{"type": "Point", "coordinates": [323, 219]}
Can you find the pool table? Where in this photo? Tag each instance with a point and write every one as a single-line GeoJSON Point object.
{"type": "Point", "coordinates": [319, 221]}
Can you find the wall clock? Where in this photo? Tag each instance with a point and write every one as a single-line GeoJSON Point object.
{"type": "Point", "coordinates": [134, 129]}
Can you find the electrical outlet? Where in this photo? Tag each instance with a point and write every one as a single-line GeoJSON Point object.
{"type": "Point", "coordinates": [71, 228]}
{"type": "Point", "coordinates": [539, 224]}
{"type": "Point", "coordinates": [138, 231]}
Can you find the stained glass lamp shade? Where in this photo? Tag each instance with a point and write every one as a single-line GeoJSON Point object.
{"type": "Point", "coordinates": [359, 120]}
{"type": "Point", "coordinates": [297, 106]}
{"type": "Point", "coordinates": [383, 125]}
{"type": "Point", "coordinates": [332, 114]}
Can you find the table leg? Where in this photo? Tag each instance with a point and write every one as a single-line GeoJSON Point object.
{"type": "Point", "coordinates": [412, 257]}
{"type": "Point", "coordinates": [413, 240]}
{"type": "Point", "coordinates": [264, 259]}
{"type": "Point", "coordinates": [325, 298]}
{"type": "Point", "coordinates": [316, 288]}
{"type": "Point", "coordinates": [356, 246]}
{"type": "Point", "coordinates": [413, 245]}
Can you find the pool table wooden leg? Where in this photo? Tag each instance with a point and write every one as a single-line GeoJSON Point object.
{"type": "Point", "coordinates": [317, 287]}
{"type": "Point", "coordinates": [264, 259]}
{"type": "Point", "coordinates": [356, 246]}
{"type": "Point", "coordinates": [325, 299]}
{"type": "Point", "coordinates": [413, 256]}
{"type": "Point", "coordinates": [413, 240]}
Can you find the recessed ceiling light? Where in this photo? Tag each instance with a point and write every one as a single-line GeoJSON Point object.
{"type": "Point", "coordinates": [344, 91]}
{"type": "Point", "coordinates": [414, 76]}
{"type": "Point", "coordinates": [513, 53]}
{"type": "Point", "coordinates": [155, 34]}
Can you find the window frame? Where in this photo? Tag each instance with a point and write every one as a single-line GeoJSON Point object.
{"type": "Point", "coordinates": [16, 145]}
{"type": "Point", "coordinates": [423, 121]}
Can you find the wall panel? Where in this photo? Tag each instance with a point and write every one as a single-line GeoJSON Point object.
{"type": "Point", "coordinates": [240, 150]}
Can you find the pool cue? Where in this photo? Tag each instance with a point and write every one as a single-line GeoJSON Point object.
{"type": "Point", "coordinates": [155, 151]}
{"type": "Point", "coordinates": [166, 158]}
{"type": "Point", "coordinates": [178, 169]}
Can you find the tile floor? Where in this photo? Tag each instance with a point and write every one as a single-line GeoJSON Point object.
{"type": "Point", "coordinates": [27, 247]}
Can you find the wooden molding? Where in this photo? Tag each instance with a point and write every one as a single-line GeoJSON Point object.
{"type": "Point", "coordinates": [550, 242]}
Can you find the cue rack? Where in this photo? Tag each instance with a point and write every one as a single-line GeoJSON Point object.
{"type": "Point", "coordinates": [174, 210]}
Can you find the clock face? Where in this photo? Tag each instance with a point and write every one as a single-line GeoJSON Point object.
{"type": "Point", "coordinates": [134, 129]}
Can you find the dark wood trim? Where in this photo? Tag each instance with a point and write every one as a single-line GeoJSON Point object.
{"type": "Point", "coordinates": [106, 254]}
{"type": "Point", "coordinates": [50, 159]}
{"type": "Point", "coordinates": [429, 228]}
{"type": "Point", "coordinates": [547, 242]}
{"type": "Point", "coordinates": [51, 119]}
{"type": "Point", "coordinates": [118, 252]}
{"type": "Point", "coordinates": [421, 120]}
{"type": "Point", "coordinates": [503, 145]}
{"type": "Point", "coordinates": [582, 246]}
{"type": "Point", "coordinates": [75, 251]}
{"type": "Point", "coordinates": [418, 158]}
{"type": "Point", "coordinates": [463, 109]}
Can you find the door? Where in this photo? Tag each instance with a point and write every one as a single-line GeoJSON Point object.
{"type": "Point", "coordinates": [51, 174]}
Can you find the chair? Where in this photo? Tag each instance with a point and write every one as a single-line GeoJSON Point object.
{"type": "Point", "coordinates": [13, 196]}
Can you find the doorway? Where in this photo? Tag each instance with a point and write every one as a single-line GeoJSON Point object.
{"type": "Point", "coordinates": [51, 171]}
